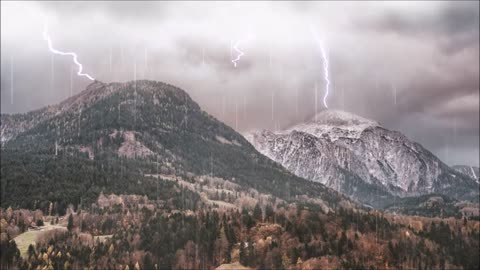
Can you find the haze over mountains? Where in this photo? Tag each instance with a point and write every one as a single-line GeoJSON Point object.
{"type": "Point", "coordinates": [360, 158]}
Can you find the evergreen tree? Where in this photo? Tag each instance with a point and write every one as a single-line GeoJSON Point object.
{"type": "Point", "coordinates": [269, 213]}
{"type": "Point", "coordinates": [251, 254]}
{"type": "Point", "coordinates": [70, 223]}
{"type": "Point", "coordinates": [243, 254]}
{"type": "Point", "coordinates": [257, 212]}
{"type": "Point", "coordinates": [147, 262]}
{"type": "Point", "coordinates": [31, 250]}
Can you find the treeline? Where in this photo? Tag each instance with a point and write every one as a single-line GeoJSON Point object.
{"type": "Point", "coordinates": [36, 181]}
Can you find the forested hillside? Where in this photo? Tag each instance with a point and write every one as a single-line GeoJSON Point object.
{"type": "Point", "coordinates": [110, 136]}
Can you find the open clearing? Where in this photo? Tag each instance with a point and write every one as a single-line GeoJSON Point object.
{"type": "Point", "coordinates": [232, 266]}
{"type": "Point", "coordinates": [32, 236]}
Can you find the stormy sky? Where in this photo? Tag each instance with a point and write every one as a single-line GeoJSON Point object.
{"type": "Point", "coordinates": [412, 66]}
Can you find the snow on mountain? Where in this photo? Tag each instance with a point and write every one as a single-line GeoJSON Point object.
{"type": "Point", "coordinates": [333, 125]}
{"type": "Point", "coordinates": [470, 171]}
{"type": "Point", "coordinates": [334, 147]}
{"type": "Point", "coordinates": [320, 160]}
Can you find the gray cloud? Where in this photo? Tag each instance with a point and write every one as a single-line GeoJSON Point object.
{"type": "Point", "coordinates": [427, 51]}
{"type": "Point", "coordinates": [454, 25]}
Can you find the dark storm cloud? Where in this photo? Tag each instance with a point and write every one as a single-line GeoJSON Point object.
{"type": "Point", "coordinates": [427, 51]}
{"type": "Point", "coordinates": [450, 19]}
{"type": "Point", "coordinates": [454, 25]}
{"type": "Point", "coordinates": [431, 89]}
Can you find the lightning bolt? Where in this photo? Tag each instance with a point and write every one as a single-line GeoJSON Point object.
{"type": "Point", "coordinates": [46, 37]}
{"type": "Point", "coordinates": [325, 65]}
{"type": "Point", "coordinates": [237, 49]}
{"type": "Point", "coordinates": [239, 55]}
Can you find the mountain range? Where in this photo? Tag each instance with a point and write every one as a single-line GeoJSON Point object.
{"type": "Point", "coordinates": [136, 175]}
{"type": "Point", "coordinates": [113, 137]}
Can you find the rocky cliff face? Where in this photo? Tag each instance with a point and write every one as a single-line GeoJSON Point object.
{"type": "Point", "coordinates": [350, 154]}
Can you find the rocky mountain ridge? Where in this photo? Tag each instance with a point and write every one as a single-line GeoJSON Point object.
{"type": "Point", "coordinates": [350, 153]}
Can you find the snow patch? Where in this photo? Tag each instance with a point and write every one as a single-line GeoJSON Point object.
{"type": "Point", "coordinates": [225, 141]}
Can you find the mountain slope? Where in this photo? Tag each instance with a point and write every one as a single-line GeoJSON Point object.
{"type": "Point", "coordinates": [111, 135]}
{"type": "Point", "coordinates": [343, 144]}
{"type": "Point", "coordinates": [430, 205]}
{"type": "Point", "coordinates": [321, 161]}
{"type": "Point", "coordinates": [470, 171]}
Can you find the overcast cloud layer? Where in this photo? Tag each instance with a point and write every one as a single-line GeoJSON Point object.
{"type": "Point", "coordinates": [425, 52]}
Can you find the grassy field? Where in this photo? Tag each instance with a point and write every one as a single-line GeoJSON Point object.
{"type": "Point", "coordinates": [232, 266]}
{"type": "Point", "coordinates": [32, 236]}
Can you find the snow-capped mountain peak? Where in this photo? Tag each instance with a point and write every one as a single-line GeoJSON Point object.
{"type": "Point", "coordinates": [358, 156]}
{"type": "Point", "coordinates": [340, 118]}
{"type": "Point", "coordinates": [335, 124]}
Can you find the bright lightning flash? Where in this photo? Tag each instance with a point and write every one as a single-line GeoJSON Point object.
{"type": "Point", "coordinates": [325, 66]}
{"type": "Point", "coordinates": [240, 53]}
{"type": "Point", "coordinates": [46, 37]}
{"type": "Point", "coordinates": [237, 49]}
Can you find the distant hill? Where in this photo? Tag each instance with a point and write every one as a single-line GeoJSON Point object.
{"type": "Point", "coordinates": [433, 205]}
